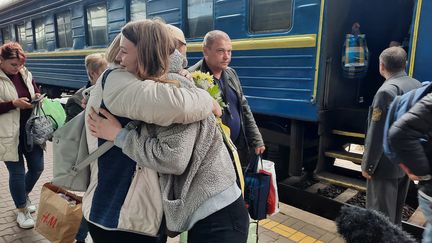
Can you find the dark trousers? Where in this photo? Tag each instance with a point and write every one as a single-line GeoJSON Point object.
{"type": "Point", "coordinates": [228, 225]}
{"type": "Point", "coordinates": [100, 235]}
{"type": "Point", "coordinates": [387, 196]}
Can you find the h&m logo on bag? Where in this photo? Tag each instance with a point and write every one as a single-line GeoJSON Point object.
{"type": "Point", "coordinates": [49, 219]}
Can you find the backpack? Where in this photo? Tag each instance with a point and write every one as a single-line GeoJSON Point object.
{"type": "Point", "coordinates": [401, 105]}
{"type": "Point", "coordinates": [71, 157]}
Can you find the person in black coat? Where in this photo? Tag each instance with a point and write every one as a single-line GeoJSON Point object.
{"type": "Point", "coordinates": [409, 140]}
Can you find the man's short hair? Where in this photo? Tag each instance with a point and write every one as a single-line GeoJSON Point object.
{"type": "Point", "coordinates": [214, 35]}
{"type": "Point", "coordinates": [394, 59]}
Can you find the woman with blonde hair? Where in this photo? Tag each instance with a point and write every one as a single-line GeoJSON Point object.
{"type": "Point", "coordinates": [196, 174]}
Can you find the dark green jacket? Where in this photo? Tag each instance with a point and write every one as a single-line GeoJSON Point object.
{"type": "Point", "coordinates": [250, 136]}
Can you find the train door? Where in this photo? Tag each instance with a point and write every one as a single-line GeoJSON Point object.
{"type": "Point", "coordinates": [345, 101]}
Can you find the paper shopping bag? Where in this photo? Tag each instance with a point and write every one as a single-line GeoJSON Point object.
{"type": "Point", "coordinates": [59, 214]}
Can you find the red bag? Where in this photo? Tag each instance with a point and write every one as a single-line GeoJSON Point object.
{"type": "Point", "coordinates": [267, 167]}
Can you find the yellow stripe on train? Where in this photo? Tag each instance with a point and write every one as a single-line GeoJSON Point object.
{"type": "Point", "coordinates": [294, 41]}
{"type": "Point", "coordinates": [80, 52]}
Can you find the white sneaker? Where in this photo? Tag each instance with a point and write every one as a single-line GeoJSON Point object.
{"type": "Point", "coordinates": [25, 220]}
{"type": "Point", "coordinates": [30, 207]}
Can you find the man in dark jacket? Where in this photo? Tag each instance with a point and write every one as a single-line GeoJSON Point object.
{"type": "Point", "coordinates": [387, 184]}
{"type": "Point", "coordinates": [410, 140]}
{"type": "Point", "coordinates": [237, 116]}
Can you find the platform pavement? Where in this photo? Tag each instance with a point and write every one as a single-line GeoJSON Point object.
{"type": "Point", "coordinates": [290, 225]}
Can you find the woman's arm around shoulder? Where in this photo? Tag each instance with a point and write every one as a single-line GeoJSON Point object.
{"type": "Point", "coordinates": [154, 102]}
{"type": "Point", "coordinates": [167, 150]}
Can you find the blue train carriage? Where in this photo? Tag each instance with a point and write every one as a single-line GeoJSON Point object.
{"type": "Point", "coordinates": [58, 34]}
{"type": "Point", "coordinates": [286, 52]}
{"type": "Point", "coordinates": [288, 56]}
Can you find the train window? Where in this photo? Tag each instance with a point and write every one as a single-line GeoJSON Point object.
{"type": "Point", "coordinates": [64, 33]}
{"type": "Point", "coordinates": [20, 33]}
{"type": "Point", "coordinates": [97, 25]}
{"type": "Point", "coordinates": [6, 35]}
{"type": "Point", "coordinates": [137, 9]}
{"type": "Point", "coordinates": [39, 34]}
{"type": "Point", "coordinates": [270, 15]}
{"type": "Point", "coordinates": [199, 17]}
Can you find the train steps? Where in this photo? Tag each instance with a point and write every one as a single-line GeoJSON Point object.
{"type": "Point", "coordinates": [345, 170]}
{"type": "Point", "coordinates": [348, 133]}
{"type": "Point", "coordinates": [342, 180]}
{"type": "Point", "coordinates": [345, 155]}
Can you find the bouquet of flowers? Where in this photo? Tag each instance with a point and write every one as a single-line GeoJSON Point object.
{"type": "Point", "coordinates": [205, 82]}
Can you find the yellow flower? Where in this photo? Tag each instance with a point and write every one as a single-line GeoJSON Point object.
{"type": "Point", "coordinates": [205, 82]}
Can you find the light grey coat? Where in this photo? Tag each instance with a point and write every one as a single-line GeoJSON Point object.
{"type": "Point", "coordinates": [193, 163]}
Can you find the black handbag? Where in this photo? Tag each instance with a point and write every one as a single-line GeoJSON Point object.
{"type": "Point", "coordinates": [257, 187]}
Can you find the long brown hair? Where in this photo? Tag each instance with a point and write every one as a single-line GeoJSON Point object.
{"type": "Point", "coordinates": [154, 45]}
{"type": "Point", "coordinates": [112, 50]}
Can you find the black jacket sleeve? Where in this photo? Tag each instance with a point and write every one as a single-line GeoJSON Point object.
{"type": "Point", "coordinates": [406, 135]}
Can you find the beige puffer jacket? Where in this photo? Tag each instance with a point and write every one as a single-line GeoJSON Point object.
{"type": "Point", "coordinates": [10, 121]}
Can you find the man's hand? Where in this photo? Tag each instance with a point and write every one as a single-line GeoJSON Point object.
{"type": "Point", "coordinates": [394, 43]}
{"type": "Point", "coordinates": [22, 103]}
{"type": "Point", "coordinates": [260, 150]}
{"type": "Point", "coordinates": [217, 110]}
{"type": "Point", "coordinates": [366, 175]}
{"type": "Point", "coordinates": [355, 29]}
{"type": "Point", "coordinates": [409, 173]}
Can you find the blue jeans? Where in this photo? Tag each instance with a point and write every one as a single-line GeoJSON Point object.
{"type": "Point", "coordinates": [20, 182]}
{"type": "Point", "coordinates": [425, 206]}
{"type": "Point", "coordinates": [82, 231]}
